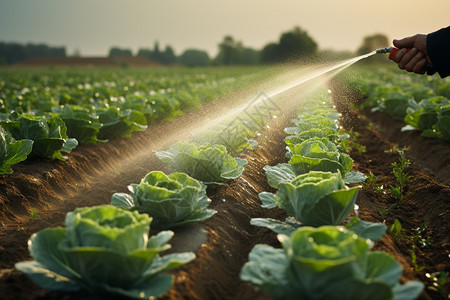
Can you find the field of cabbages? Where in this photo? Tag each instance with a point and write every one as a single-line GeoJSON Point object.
{"type": "Point", "coordinates": [336, 192]}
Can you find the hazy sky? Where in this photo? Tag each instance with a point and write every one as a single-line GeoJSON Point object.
{"type": "Point", "coordinates": [93, 26]}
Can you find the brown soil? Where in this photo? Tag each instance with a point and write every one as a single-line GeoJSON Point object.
{"type": "Point", "coordinates": [93, 172]}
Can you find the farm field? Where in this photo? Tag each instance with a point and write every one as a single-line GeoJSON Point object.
{"type": "Point", "coordinates": [40, 192]}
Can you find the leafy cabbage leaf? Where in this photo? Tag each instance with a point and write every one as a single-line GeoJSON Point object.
{"type": "Point", "coordinates": [318, 154]}
{"type": "Point", "coordinates": [104, 250]}
{"type": "Point", "coordinates": [118, 123]}
{"type": "Point", "coordinates": [11, 151]}
{"type": "Point", "coordinates": [328, 262]}
{"type": "Point", "coordinates": [81, 124]}
{"type": "Point", "coordinates": [171, 200]}
{"type": "Point", "coordinates": [48, 132]}
{"type": "Point", "coordinates": [208, 163]}
{"type": "Point", "coordinates": [316, 198]}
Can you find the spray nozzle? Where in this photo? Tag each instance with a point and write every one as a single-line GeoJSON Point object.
{"type": "Point", "coordinates": [385, 50]}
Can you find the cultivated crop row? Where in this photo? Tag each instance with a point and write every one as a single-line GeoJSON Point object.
{"type": "Point", "coordinates": [325, 254]}
{"type": "Point", "coordinates": [103, 239]}
{"type": "Point", "coordinates": [46, 114]}
{"type": "Point", "coordinates": [318, 259]}
{"type": "Point", "coordinates": [423, 103]}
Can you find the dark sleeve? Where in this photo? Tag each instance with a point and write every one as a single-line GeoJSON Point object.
{"type": "Point", "coordinates": [438, 44]}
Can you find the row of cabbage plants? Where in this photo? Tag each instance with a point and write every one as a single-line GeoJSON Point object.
{"type": "Point", "coordinates": [45, 113]}
{"type": "Point", "coordinates": [98, 241]}
{"type": "Point", "coordinates": [324, 254]}
{"type": "Point", "coordinates": [422, 102]}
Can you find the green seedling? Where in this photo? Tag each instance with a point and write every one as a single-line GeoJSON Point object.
{"type": "Point", "coordinates": [370, 126]}
{"type": "Point", "coordinates": [351, 144]}
{"type": "Point", "coordinates": [371, 184]}
{"type": "Point", "coordinates": [397, 231]}
{"type": "Point", "coordinates": [33, 214]}
{"type": "Point", "coordinates": [396, 148]}
{"type": "Point", "coordinates": [418, 238]}
{"type": "Point", "coordinates": [401, 177]}
{"type": "Point", "coordinates": [438, 281]}
{"type": "Point", "coordinates": [417, 268]}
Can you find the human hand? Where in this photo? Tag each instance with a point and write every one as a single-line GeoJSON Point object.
{"type": "Point", "coordinates": [412, 53]}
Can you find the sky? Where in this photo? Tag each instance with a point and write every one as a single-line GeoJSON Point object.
{"type": "Point", "coordinates": [92, 27]}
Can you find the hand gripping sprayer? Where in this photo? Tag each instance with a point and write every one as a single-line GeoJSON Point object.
{"type": "Point", "coordinates": [391, 50]}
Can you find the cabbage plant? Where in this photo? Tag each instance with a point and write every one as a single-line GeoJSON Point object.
{"type": "Point", "coordinates": [171, 200]}
{"type": "Point", "coordinates": [48, 132]}
{"type": "Point", "coordinates": [12, 151]}
{"type": "Point", "coordinates": [104, 250]}
{"type": "Point", "coordinates": [81, 123]}
{"type": "Point", "coordinates": [320, 124]}
{"type": "Point", "coordinates": [119, 123]}
{"type": "Point", "coordinates": [208, 163]}
{"type": "Point", "coordinates": [315, 198]}
{"type": "Point", "coordinates": [326, 263]}
{"type": "Point", "coordinates": [318, 154]}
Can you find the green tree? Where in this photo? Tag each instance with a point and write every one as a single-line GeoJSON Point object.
{"type": "Point", "coordinates": [146, 53]}
{"type": "Point", "coordinates": [269, 53]}
{"type": "Point", "coordinates": [373, 42]}
{"type": "Point", "coordinates": [229, 51]}
{"type": "Point", "coordinates": [194, 57]}
{"type": "Point", "coordinates": [296, 44]}
{"type": "Point", "coordinates": [156, 54]}
{"type": "Point", "coordinates": [116, 51]}
{"type": "Point", "coordinates": [250, 56]}
{"type": "Point", "coordinates": [168, 56]}
{"type": "Point", "coordinates": [232, 52]}
{"type": "Point", "coordinates": [293, 45]}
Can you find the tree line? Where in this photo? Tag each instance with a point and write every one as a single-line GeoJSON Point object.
{"type": "Point", "coordinates": [293, 45]}
{"type": "Point", "coordinates": [11, 53]}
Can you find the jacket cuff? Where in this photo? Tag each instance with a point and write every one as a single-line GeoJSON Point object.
{"type": "Point", "coordinates": [438, 45]}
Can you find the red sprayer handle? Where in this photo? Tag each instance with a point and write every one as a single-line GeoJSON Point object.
{"type": "Point", "coordinates": [391, 55]}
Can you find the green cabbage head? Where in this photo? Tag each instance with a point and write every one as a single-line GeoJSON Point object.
{"type": "Point", "coordinates": [105, 250]}
{"type": "Point", "coordinates": [327, 263]}
{"type": "Point", "coordinates": [318, 154]}
{"type": "Point", "coordinates": [171, 200]}
{"type": "Point", "coordinates": [208, 163]}
{"type": "Point", "coordinates": [317, 198]}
